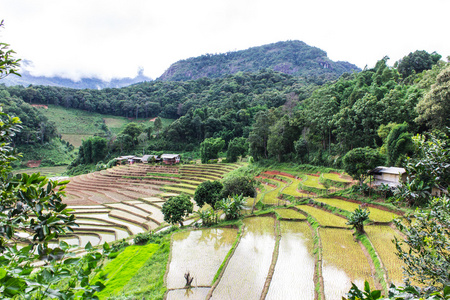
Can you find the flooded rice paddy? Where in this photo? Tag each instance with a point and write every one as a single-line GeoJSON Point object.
{"type": "Point", "coordinates": [199, 252]}
{"type": "Point", "coordinates": [294, 271]}
{"type": "Point", "coordinates": [246, 273]}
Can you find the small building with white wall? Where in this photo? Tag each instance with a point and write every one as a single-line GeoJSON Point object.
{"type": "Point", "coordinates": [390, 176]}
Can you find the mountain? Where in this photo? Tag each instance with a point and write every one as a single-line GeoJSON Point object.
{"type": "Point", "coordinates": [290, 57]}
{"type": "Point", "coordinates": [84, 83]}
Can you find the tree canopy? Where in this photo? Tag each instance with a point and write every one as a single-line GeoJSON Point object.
{"type": "Point", "coordinates": [359, 161]}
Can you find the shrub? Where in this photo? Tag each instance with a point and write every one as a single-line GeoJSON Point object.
{"type": "Point", "coordinates": [237, 185]}
{"type": "Point", "coordinates": [208, 216]}
{"type": "Point", "coordinates": [177, 208]}
{"type": "Point", "coordinates": [357, 219]}
{"type": "Point", "coordinates": [232, 206]}
{"type": "Point", "coordinates": [208, 192]}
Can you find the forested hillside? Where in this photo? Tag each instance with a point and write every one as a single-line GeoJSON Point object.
{"type": "Point", "coordinates": [290, 57]}
{"type": "Point", "coordinates": [279, 116]}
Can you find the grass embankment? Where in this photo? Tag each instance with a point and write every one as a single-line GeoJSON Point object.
{"type": "Point", "coordinates": [137, 272]}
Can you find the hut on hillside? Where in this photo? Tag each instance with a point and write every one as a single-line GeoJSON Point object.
{"type": "Point", "coordinates": [390, 176]}
{"type": "Point", "coordinates": [170, 159]}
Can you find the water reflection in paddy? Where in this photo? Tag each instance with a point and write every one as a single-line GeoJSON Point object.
{"type": "Point", "coordinates": [200, 252]}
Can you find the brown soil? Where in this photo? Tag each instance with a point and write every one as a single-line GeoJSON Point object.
{"type": "Point", "coordinates": [279, 173]}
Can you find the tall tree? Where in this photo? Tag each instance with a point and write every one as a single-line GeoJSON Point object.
{"type": "Point", "coordinates": [209, 149]}
{"type": "Point", "coordinates": [434, 108]}
{"type": "Point", "coordinates": [259, 136]}
{"type": "Point", "coordinates": [359, 161]}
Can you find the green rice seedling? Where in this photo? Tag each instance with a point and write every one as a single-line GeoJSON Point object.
{"type": "Point", "coordinates": [312, 181]}
{"type": "Point", "coordinates": [246, 272]}
{"type": "Point", "coordinates": [286, 213]}
{"type": "Point", "coordinates": [376, 214]}
{"type": "Point", "coordinates": [344, 262]}
{"type": "Point", "coordinates": [323, 217]}
{"type": "Point", "coordinates": [380, 272]}
{"type": "Point", "coordinates": [335, 177]}
{"type": "Point", "coordinates": [291, 189]}
{"type": "Point", "coordinates": [381, 238]}
{"type": "Point", "coordinates": [271, 197]}
{"type": "Point", "coordinates": [189, 250]}
{"type": "Point", "coordinates": [295, 257]}
{"type": "Point", "coordinates": [149, 281]}
{"type": "Point", "coordinates": [120, 270]}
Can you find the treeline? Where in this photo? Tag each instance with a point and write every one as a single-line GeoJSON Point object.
{"type": "Point", "coordinates": [35, 127]}
{"type": "Point", "coordinates": [381, 108]}
{"type": "Point", "coordinates": [172, 99]}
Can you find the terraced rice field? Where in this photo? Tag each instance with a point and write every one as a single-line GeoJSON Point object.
{"type": "Point", "coordinates": [376, 214]}
{"type": "Point", "coordinates": [344, 262]}
{"type": "Point", "coordinates": [115, 203]}
{"type": "Point", "coordinates": [279, 262]}
{"type": "Point", "coordinates": [292, 189]}
{"type": "Point", "coordinates": [312, 182]}
{"type": "Point", "coordinates": [287, 213]}
{"type": "Point", "coordinates": [211, 246]}
{"type": "Point", "coordinates": [335, 177]}
{"type": "Point", "coordinates": [254, 255]}
{"type": "Point", "coordinates": [325, 219]}
{"type": "Point", "coordinates": [381, 238]}
{"type": "Point", "coordinates": [295, 257]}
{"type": "Point", "coordinates": [271, 197]}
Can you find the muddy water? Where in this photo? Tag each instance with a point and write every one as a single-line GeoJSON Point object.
{"type": "Point", "coordinates": [191, 294]}
{"type": "Point", "coordinates": [246, 273]}
{"type": "Point", "coordinates": [294, 271]}
{"type": "Point", "coordinates": [200, 252]}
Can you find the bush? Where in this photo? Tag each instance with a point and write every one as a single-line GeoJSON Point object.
{"type": "Point", "coordinates": [232, 206]}
{"type": "Point", "coordinates": [177, 208]}
{"type": "Point", "coordinates": [208, 192]}
{"type": "Point", "coordinates": [239, 185]}
{"type": "Point", "coordinates": [357, 219]}
{"type": "Point", "coordinates": [142, 238]}
{"type": "Point", "coordinates": [208, 216]}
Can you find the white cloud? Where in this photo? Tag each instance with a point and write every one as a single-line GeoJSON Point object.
{"type": "Point", "coordinates": [115, 38]}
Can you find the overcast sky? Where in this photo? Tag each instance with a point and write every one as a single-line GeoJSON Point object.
{"type": "Point", "coordinates": [109, 38]}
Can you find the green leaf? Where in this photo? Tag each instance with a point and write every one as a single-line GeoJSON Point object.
{"type": "Point", "coordinates": [106, 246]}
{"type": "Point", "coordinates": [71, 261]}
{"type": "Point", "coordinates": [446, 291]}
{"type": "Point", "coordinates": [88, 247]}
{"type": "Point", "coordinates": [2, 273]}
{"type": "Point", "coordinates": [375, 294]}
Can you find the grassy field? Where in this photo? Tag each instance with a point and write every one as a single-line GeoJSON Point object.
{"type": "Point", "coordinates": [75, 124]}
{"type": "Point", "coordinates": [74, 121]}
{"type": "Point", "coordinates": [47, 171]}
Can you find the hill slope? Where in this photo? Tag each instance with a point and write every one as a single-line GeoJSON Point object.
{"type": "Point", "coordinates": [290, 57]}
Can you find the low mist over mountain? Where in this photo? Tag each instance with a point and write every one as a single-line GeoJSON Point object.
{"type": "Point", "coordinates": [290, 57]}
{"type": "Point", "coordinates": [84, 83]}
